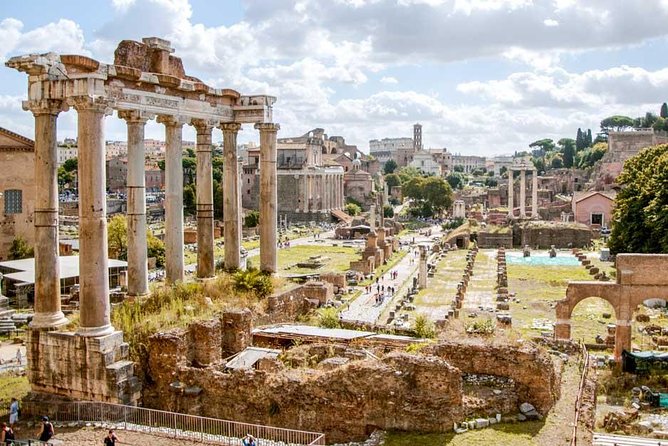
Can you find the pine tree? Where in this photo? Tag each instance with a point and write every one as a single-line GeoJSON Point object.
{"type": "Point", "coordinates": [664, 110]}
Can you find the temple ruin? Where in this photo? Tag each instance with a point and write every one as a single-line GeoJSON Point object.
{"type": "Point", "coordinates": [145, 82]}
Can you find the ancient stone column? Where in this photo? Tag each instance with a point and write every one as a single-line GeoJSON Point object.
{"type": "Point", "coordinates": [231, 195]}
{"type": "Point", "coordinates": [422, 273]}
{"type": "Point", "coordinates": [174, 262]}
{"type": "Point", "coordinates": [268, 196]}
{"type": "Point", "coordinates": [523, 198]}
{"type": "Point", "coordinates": [205, 261]}
{"type": "Point", "coordinates": [562, 329]}
{"type": "Point", "coordinates": [95, 308]}
{"type": "Point", "coordinates": [622, 338]}
{"type": "Point", "coordinates": [47, 272]}
{"type": "Point", "coordinates": [534, 194]}
{"type": "Point", "coordinates": [136, 214]}
{"type": "Point", "coordinates": [511, 205]}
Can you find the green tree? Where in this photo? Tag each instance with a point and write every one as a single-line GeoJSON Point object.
{"type": "Point", "coordinates": [431, 195]}
{"type": "Point", "coordinates": [392, 180]}
{"type": "Point", "coordinates": [567, 147]}
{"type": "Point", "coordinates": [588, 140]}
{"type": "Point", "coordinates": [189, 199]}
{"type": "Point", "coordinates": [64, 177]}
{"type": "Point", "coordinates": [456, 181]}
{"type": "Point", "coordinates": [664, 111]}
{"type": "Point", "coordinates": [640, 219]}
{"type": "Point", "coordinates": [557, 162]}
{"type": "Point", "coordinates": [390, 167]}
{"type": "Point", "coordinates": [353, 209]}
{"type": "Point", "coordinates": [406, 173]}
{"type": "Point", "coordinates": [20, 249]}
{"type": "Point", "coordinates": [71, 165]}
{"type": "Point", "coordinates": [155, 248]}
{"type": "Point", "coordinates": [252, 219]}
{"type": "Point", "coordinates": [588, 157]}
{"type": "Point", "coordinates": [616, 123]}
{"type": "Point", "coordinates": [545, 145]}
{"type": "Point", "coordinates": [117, 237]}
{"type": "Point", "coordinates": [580, 140]}
{"type": "Point", "coordinates": [388, 211]}
{"type": "Point", "coordinates": [459, 168]}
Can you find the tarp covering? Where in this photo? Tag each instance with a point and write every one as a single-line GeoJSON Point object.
{"type": "Point", "coordinates": [644, 363]}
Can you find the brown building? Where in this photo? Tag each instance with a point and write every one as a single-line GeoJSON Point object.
{"type": "Point", "coordinates": [17, 190]}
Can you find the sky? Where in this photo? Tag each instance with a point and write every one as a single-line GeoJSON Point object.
{"type": "Point", "coordinates": [483, 77]}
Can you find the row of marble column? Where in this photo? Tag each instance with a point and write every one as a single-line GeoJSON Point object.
{"type": "Point", "coordinates": [326, 186]}
{"type": "Point", "coordinates": [93, 261]}
{"type": "Point", "coordinates": [522, 203]}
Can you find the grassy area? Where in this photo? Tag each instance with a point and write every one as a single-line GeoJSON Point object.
{"type": "Point", "coordinates": [520, 434]}
{"type": "Point", "coordinates": [13, 386]}
{"type": "Point", "coordinates": [382, 269]}
{"type": "Point", "coordinates": [442, 287]}
{"type": "Point", "coordinates": [338, 258]}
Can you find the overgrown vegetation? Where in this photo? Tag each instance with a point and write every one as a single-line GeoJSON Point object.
{"type": "Point", "coordinates": [253, 280]}
{"type": "Point", "coordinates": [424, 327]}
{"type": "Point", "coordinates": [484, 327]}
{"type": "Point", "coordinates": [20, 249]}
{"type": "Point", "coordinates": [328, 318]}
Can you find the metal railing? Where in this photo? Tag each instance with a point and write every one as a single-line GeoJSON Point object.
{"type": "Point", "coordinates": [172, 424]}
{"type": "Point", "coordinates": [578, 399]}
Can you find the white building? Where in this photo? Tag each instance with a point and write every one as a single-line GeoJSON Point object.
{"type": "Point", "coordinates": [468, 162]}
{"type": "Point", "coordinates": [425, 162]}
{"type": "Point", "coordinates": [116, 148]}
{"type": "Point", "coordinates": [66, 152]}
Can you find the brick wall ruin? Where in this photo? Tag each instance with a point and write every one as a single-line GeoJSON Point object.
{"type": "Point", "coordinates": [310, 386]}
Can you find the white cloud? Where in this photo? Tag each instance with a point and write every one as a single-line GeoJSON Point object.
{"type": "Point", "coordinates": [63, 36]}
{"type": "Point", "coordinates": [389, 80]}
{"type": "Point", "coordinates": [550, 22]}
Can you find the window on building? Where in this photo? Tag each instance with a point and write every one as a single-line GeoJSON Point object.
{"type": "Point", "coordinates": [597, 219]}
{"type": "Point", "coordinates": [13, 201]}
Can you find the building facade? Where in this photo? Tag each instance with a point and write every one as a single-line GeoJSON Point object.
{"type": "Point", "coordinates": [17, 190]}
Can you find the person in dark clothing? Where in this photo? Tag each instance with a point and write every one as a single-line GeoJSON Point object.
{"type": "Point", "coordinates": [47, 430]}
{"type": "Point", "coordinates": [6, 434]}
{"type": "Point", "coordinates": [110, 439]}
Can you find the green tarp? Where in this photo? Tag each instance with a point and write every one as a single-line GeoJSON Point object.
{"type": "Point", "coordinates": [645, 363]}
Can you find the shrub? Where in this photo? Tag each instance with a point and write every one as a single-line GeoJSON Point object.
{"type": "Point", "coordinates": [20, 249]}
{"type": "Point", "coordinates": [423, 327]}
{"type": "Point", "coordinates": [352, 209]}
{"type": "Point", "coordinates": [253, 280]}
{"type": "Point", "coordinates": [483, 327]}
{"type": "Point", "coordinates": [329, 318]}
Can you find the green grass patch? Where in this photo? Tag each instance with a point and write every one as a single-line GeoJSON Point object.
{"type": "Point", "coordinates": [520, 434]}
{"type": "Point", "coordinates": [338, 258]}
{"type": "Point", "coordinates": [13, 385]}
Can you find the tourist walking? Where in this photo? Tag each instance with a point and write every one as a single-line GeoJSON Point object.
{"type": "Point", "coordinates": [248, 440]}
{"type": "Point", "coordinates": [19, 356]}
{"type": "Point", "coordinates": [13, 412]}
{"type": "Point", "coordinates": [110, 439]}
{"type": "Point", "coordinates": [47, 431]}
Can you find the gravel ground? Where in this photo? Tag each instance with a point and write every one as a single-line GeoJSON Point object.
{"type": "Point", "coordinates": [89, 436]}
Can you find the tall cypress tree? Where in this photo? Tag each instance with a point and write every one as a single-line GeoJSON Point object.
{"type": "Point", "coordinates": [664, 110]}
{"type": "Point", "coordinates": [579, 141]}
{"type": "Point", "coordinates": [588, 140]}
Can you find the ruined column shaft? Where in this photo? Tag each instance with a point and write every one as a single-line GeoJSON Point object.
{"type": "Point", "coordinates": [511, 205]}
{"type": "Point", "coordinates": [268, 196]}
{"type": "Point", "coordinates": [47, 270]}
{"type": "Point", "coordinates": [174, 262]}
{"type": "Point", "coordinates": [231, 195]}
{"type": "Point", "coordinates": [95, 309]}
{"type": "Point", "coordinates": [534, 194]}
{"type": "Point", "coordinates": [523, 197]}
{"type": "Point", "coordinates": [205, 260]}
{"type": "Point", "coordinates": [136, 214]}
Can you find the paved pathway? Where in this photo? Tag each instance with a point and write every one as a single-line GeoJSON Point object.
{"type": "Point", "coordinates": [480, 292]}
{"type": "Point", "coordinates": [364, 308]}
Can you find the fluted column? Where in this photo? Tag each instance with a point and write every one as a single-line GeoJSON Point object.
{"type": "Point", "coordinates": [523, 197]}
{"type": "Point", "coordinates": [174, 262]}
{"type": "Point", "coordinates": [231, 195]}
{"type": "Point", "coordinates": [268, 196]}
{"type": "Point", "coordinates": [95, 308]}
{"type": "Point", "coordinates": [534, 194]}
{"type": "Point", "coordinates": [136, 214]}
{"type": "Point", "coordinates": [510, 193]}
{"type": "Point", "coordinates": [47, 271]}
{"type": "Point", "coordinates": [205, 261]}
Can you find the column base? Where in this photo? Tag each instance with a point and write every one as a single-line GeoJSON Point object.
{"type": "Point", "coordinates": [95, 331]}
{"type": "Point", "coordinates": [48, 320]}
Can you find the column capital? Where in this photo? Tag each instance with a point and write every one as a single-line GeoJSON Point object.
{"type": "Point", "coordinates": [267, 127]}
{"type": "Point", "coordinates": [170, 120]}
{"type": "Point", "coordinates": [203, 125]}
{"type": "Point", "coordinates": [135, 116]}
{"type": "Point", "coordinates": [96, 104]}
{"type": "Point", "coordinates": [45, 106]}
{"type": "Point", "coordinates": [230, 127]}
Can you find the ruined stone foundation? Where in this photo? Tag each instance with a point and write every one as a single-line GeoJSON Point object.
{"type": "Point", "coordinates": [84, 368]}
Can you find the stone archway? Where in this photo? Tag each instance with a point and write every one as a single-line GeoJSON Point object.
{"type": "Point", "coordinates": [638, 278]}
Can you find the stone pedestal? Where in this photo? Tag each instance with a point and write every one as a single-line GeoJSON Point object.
{"type": "Point", "coordinates": [523, 198]}
{"type": "Point", "coordinates": [422, 273]}
{"type": "Point", "coordinates": [534, 194]}
{"type": "Point", "coordinates": [93, 368]}
{"type": "Point", "coordinates": [511, 205]}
